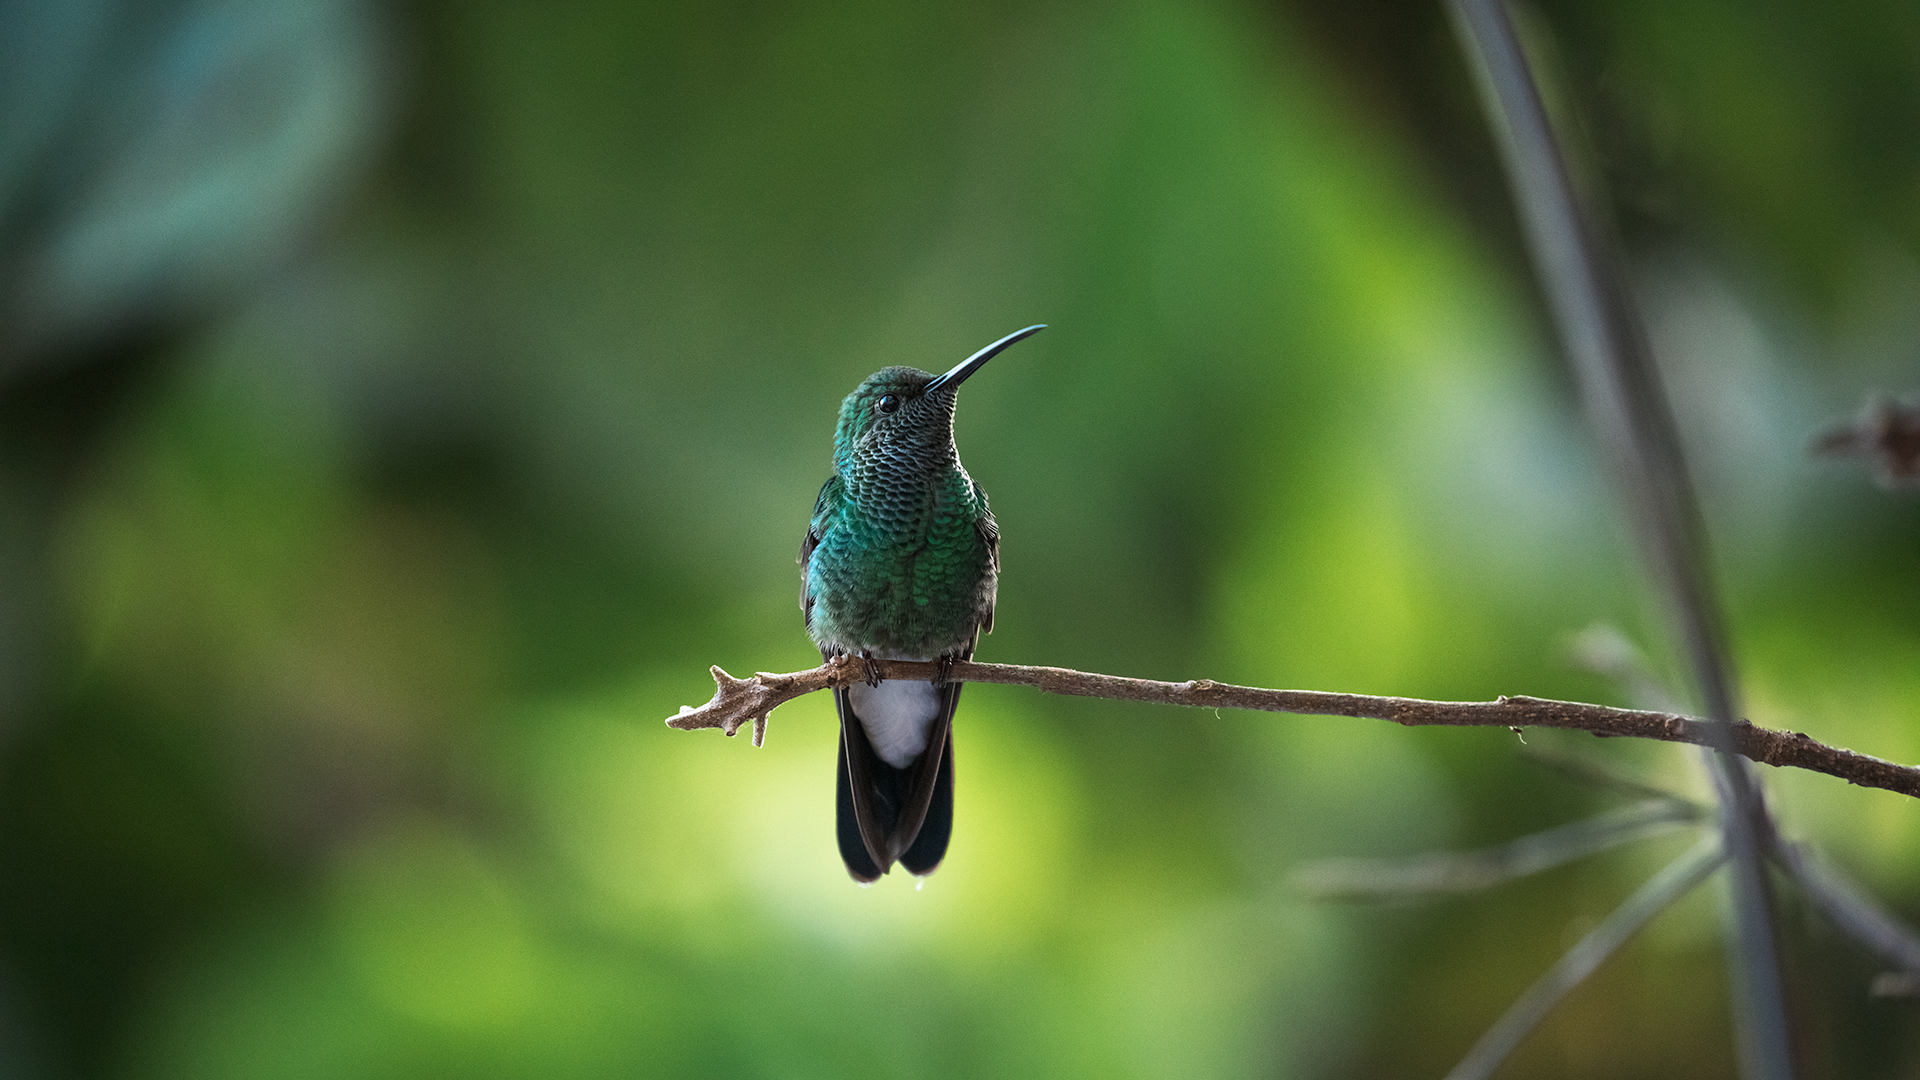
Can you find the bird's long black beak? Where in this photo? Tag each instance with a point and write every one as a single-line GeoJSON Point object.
{"type": "Point", "coordinates": [978, 360]}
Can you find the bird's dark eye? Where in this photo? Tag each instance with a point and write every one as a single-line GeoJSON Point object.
{"type": "Point", "coordinates": [887, 403]}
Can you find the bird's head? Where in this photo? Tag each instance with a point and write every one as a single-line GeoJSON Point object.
{"type": "Point", "coordinates": [903, 410]}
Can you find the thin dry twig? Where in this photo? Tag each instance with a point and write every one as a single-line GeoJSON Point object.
{"type": "Point", "coordinates": [1855, 912]}
{"type": "Point", "coordinates": [1439, 873]}
{"type": "Point", "coordinates": [1594, 774]}
{"type": "Point", "coordinates": [739, 701]}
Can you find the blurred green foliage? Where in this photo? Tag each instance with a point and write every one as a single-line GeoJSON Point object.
{"type": "Point", "coordinates": [344, 758]}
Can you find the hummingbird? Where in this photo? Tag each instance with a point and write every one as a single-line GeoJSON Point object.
{"type": "Point", "coordinates": [901, 561]}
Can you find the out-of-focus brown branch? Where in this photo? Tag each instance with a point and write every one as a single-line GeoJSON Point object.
{"type": "Point", "coordinates": [739, 701]}
{"type": "Point", "coordinates": [1887, 434]}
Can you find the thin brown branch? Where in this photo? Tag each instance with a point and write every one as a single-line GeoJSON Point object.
{"type": "Point", "coordinates": [739, 701]}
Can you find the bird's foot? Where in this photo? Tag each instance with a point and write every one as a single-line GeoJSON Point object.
{"type": "Point", "coordinates": [942, 670]}
{"type": "Point", "coordinates": [872, 668]}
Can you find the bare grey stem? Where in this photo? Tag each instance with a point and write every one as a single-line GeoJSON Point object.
{"type": "Point", "coordinates": [1671, 883]}
{"type": "Point", "coordinates": [1600, 334]}
{"type": "Point", "coordinates": [1850, 907]}
{"type": "Point", "coordinates": [1348, 878]}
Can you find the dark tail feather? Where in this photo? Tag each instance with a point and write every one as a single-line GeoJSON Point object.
{"type": "Point", "coordinates": [870, 803]}
{"type": "Point", "coordinates": [931, 845]}
{"type": "Point", "coordinates": [853, 850]}
{"type": "Point", "coordinates": [886, 813]}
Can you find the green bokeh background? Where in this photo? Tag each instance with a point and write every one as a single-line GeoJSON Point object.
{"type": "Point", "coordinates": [340, 751]}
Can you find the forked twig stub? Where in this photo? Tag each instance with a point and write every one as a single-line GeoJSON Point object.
{"type": "Point", "coordinates": [738, 701]}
